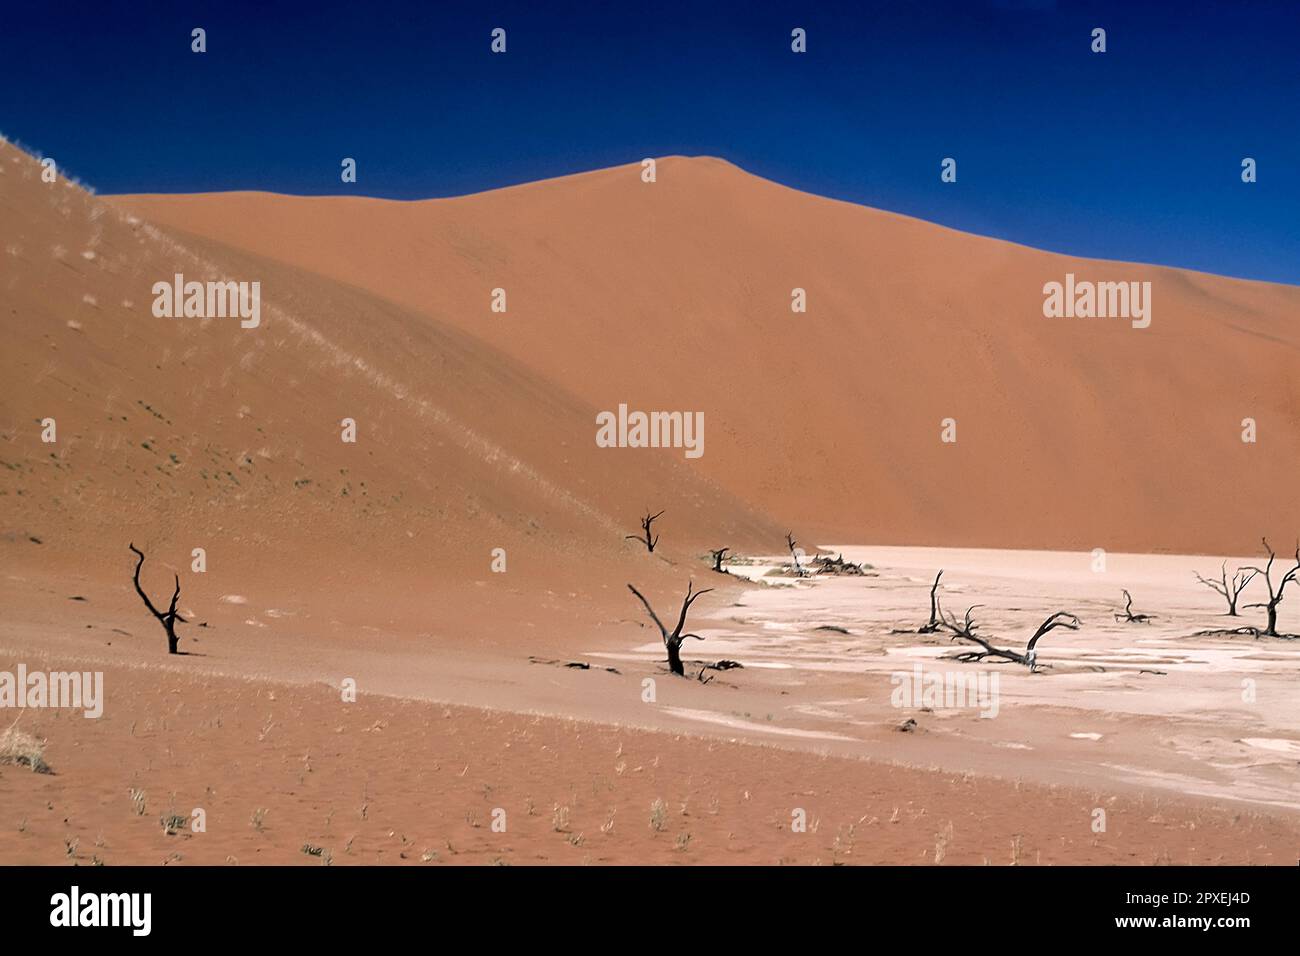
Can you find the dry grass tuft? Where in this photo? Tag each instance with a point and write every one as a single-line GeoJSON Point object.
{"type": "Point", "coordinates": [19, 747]}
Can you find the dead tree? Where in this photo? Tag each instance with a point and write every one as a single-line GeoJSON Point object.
{"type": "Point", "coordinates": [934, 623]}
{"type": "Point", "coordinates": [1127, 615]}
{"type": "Point", "coordinates": [1059, 619]}
{"type": "Point", "coordinates": [965, 630]}
{"type": "Point", "coordinates": [167, 620]}
{"type": "Point", "coordinates": [717, 560]}
{"type": "Point", "coordinates": [1230, 590]}
{"type": "Point", "coordinates": [1274, 596]}
{"type": "Point", "coordinates": [673, 640]}
{"type": "Point", "coordinates": [790, 543]}
{"type": "Point", "coordinates": [648, 541]}
{"type": "Point", "coordinates": [824, 564]}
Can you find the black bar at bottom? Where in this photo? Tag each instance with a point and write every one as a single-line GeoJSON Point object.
{"type": "Point", "coordinates": [267, 904]}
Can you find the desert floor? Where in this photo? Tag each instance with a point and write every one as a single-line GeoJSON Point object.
{"type": "Point", "coordinates": [1189, 745]}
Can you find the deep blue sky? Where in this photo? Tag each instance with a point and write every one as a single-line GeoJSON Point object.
{"type": "Point", "coordinates": [1134, 154]}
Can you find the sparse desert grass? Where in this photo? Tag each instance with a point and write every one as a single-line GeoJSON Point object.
{"type": "Point", "coordinates": [843, 844]}
{"type": "Point", "coordinates": [658, 815]}
{"type": "Point", "coordinates": [941, 841]}
{"type": "Point", "coordinates": [724, 823]}
{"type": "Point", "coordinates": [21, 748]}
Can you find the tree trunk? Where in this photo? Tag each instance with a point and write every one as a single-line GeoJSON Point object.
{"type": "Point", "coordinates": [675, 658]}
{"type": "Point", "coordinates": [1271, 630]}
{"type": "Point", "coordinates": [172, 641]}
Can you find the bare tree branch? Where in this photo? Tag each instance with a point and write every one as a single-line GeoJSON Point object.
{"type": "Point", "coordinates": [167, 620]}
{"type": "Point", "coordinates": [1274, 596]}
{"type": "Point", "coordinates": [934, 623]}
{"type": "Point", "coordinates": [1127, 614]}
{"type": "Point", "coordinates": [663, 631]}
{"type": "Point", "coordinates": [673, 641]}
{"type": "Point", "coordinates": [965, 630]}
{"type": "Point", "coordinates": [1229, 590]}
{"type": "Point", "coordinates": [645, 537]}
{"type": "Point", "coordinates": [791, 544]}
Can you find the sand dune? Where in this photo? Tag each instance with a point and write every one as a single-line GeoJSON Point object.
{"type": "Point", "coordinates": [1072, 433]}
{"type": "Point", "coordinates": [181, 433]}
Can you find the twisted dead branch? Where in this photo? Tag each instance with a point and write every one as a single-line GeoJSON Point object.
{"type": "Point", "coordinates": [1274, 595]}
{"type": "Point", "coordinates": [645, 537]}
{"type": "Point", "coordinates": [965, 630]}
{"type": "Point", "coordinates": [1127, 615]}
{"type": "Point", "coordinates": [171, 616]}
{"type": "Point", "coordinates": [673, 639]}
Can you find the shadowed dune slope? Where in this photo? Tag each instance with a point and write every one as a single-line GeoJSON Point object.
{"type": "Point", "coordinates": [180, 433]}
{"type": "Point", "coordinates": [1071, 432]}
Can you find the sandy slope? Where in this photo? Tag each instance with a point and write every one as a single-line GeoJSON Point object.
{"type": "Point", "coordinates": [291, 774]}
{"type": "Point", "coordinates": [184, 433]}
{"type": "Point", "coordinates": [1072, 433]}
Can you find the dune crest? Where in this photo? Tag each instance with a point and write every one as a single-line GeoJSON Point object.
{"type": "Point", "coordinates": [677, 294]}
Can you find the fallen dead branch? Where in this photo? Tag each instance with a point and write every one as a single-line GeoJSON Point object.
{"type": "Point", "coordinates": [575, 665]}
{"type": "Point", "coordinates": [965, 630]}
{"type": "Point", "coordinates": [837, 565]}
{"type": "Point", "coordinates": [1127, 615]}
{"type": "Point", "coordinates": [1230, 632]}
